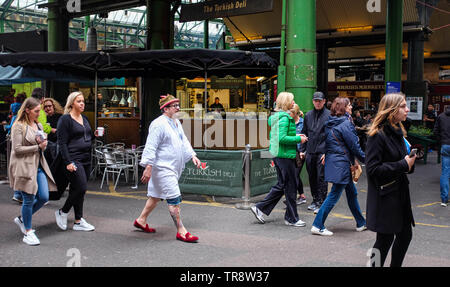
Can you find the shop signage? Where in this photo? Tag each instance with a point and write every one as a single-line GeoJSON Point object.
{"type": "Point", "coordinates": [355, 86]}
{"type": "Point", "coordinates": [228, 83]}
{"type": "Point", "coordinates": [223, 8]}
{"type": "Point", "coordinates": [415, 106]}
{"type": "Point", "coordinates": [393, 87]}
{"type": "Point", "coordinates": [221, 174]}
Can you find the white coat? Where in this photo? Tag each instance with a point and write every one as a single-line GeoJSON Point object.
{"type": "Point", "coordinates": [167, 150]}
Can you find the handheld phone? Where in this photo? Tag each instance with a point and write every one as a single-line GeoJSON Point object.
{"type": "Point", "coordinates": [413, 152]}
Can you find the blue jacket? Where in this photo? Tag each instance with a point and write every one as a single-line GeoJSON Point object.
{"type": "Point", "coordinates": [299, 127]}
{"type": "Point", "coordinates": [338, 161]}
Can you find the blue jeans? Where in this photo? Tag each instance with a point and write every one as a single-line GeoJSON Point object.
{"type": "Point", "coordinates": [445, 175]}
{"type": "Point", "coordinates": [18, 194]}
{"type": "Point", "coordinates": [32, 203]}
{"type": "Point", "coordinates": [333, 198]}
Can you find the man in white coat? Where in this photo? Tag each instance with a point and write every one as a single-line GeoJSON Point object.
{"type": "Point", "coordinates": [166, 152]}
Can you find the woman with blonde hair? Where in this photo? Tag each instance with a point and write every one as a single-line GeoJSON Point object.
{"type": "Point", "coordinates": [28, 169]}
{"type": "Point", "coordinates": [388, 211]}
{"type": "Point", "coordinates": [283, 147]}
{"type": "Point", "coordinates": [74, 141]}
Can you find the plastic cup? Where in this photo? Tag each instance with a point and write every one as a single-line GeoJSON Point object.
{"type": "Point", "coordinates": [100, 131]}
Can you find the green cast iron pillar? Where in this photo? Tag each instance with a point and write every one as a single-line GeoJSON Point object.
{"type": "Point", "coordinates": [206, 34]}
{"type": "Point", "coordinates": [159, 32]}
{"type": "Point", "coordinates": [301, 55]}
{"type": "Point", "coordinates": [394, 41]}
{"type": "Point", "coordinates": [58, 40]}
{"type": "Point", "coordinates": [281, 79]}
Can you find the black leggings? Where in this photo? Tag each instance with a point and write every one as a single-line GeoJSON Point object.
{"type": "Point", "coordinates": [399, 248]}
{"type": "Point", "coordinates": [78, 186]}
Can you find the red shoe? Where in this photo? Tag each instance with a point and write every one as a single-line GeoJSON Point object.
{"type": "Point", "coordinates": [145, 229]}
{"type": "Point", "coordinates": [187, 238]}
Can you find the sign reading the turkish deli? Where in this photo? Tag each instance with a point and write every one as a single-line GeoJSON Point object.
{"type": "Point", "coordinates": [223, 8]}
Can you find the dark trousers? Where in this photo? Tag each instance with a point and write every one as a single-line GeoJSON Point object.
{"type": "Point", "coordinates": [298, 170]}
{"type": "Point", "coordinates": [399, 248]}
{"type": "Point", "coordinates": [286, 186]}
{"type": "Point", "coordinates": [316, 178]}
{"type": "Point", "coordinates": [78, 186]}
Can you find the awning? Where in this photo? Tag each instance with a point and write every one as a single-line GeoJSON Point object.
{"type": "Point", "coordinates": [18, 75]}
{"type": "Point", "coordinates": [154, 63]}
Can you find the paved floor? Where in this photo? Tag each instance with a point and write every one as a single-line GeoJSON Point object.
{"type": "Point", "coordinates": [228, 236]}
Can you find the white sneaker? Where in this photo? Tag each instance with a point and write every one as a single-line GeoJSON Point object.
{"type": "Point", "coordinates": [362, 228]}
{"type": "Point", "coordinates": [258, 214]}
{"type": "Point", "coordinates": [61, 219]}
{"type": "Point", "coordinates": [30, 238]}
{"type": "Point", "coordinates": [299, 223]}
{"type": "Point", "coordinates": [443, 204]}
{"type": "Point", "coordinates": [83, 226]}
{"type": "Point", "coordinates": [301, 201]}
{"type": "Point", "coordinates": [323, 232]}
{"type": "Point", "coordinates": [19, 222]}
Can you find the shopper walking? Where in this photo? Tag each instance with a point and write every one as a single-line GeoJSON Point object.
{"type": "Point", "coordinates": [442, 132]}
{"type": "Point", "coordinates": [314, 149]}
{"type": "Point", "coordinates": [74, 142]}
{"type": "Point", "coordinates": [166, 152]}
{"type": "Point", "coordinates": [28, 169]}
{"type": "Point", "coordinates": [283, 147]}
{"type": "Point", "coordinates": [342, 147]}
{"type": "Point", "coordinates": [389, 212]}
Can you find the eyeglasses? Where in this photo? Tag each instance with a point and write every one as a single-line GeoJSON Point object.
{"type": "Point", "coordinates": [48, 106]}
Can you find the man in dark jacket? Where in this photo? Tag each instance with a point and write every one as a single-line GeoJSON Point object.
{"type": "Point", "coordinates": [314, 149]}
{"type": "Point", "coordinates": [442, 133]}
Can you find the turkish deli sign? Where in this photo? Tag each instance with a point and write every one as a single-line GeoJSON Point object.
{"type": "Point", "coordinates": [223, 8]}
{"type": "Point", "coordinates": [228, 83]}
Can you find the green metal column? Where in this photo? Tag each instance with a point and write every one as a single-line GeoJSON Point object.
{"type": "Point", "coordinates": [87, 23]}
{"type": "Point", "coordinates": [159, 33]}
{"type": "Point", "coordinates": [58, 40]}
{"type": "Point", "coordinates": [281, 79]}
{"type": "Point", "coordinates": [394, 41]}
{"type": "Point", "coordinates": [206, 34]}
{"type": "Point", "coordinates": [301, 55]}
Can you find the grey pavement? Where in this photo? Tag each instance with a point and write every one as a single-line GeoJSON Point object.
{"type": "Point", "coordinates": [229, 237]}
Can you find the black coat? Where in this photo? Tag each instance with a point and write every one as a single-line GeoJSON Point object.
{"type": "Point", "coordinates": [314, 129]}
{"type": "Point", "coordinates": [388, 199]}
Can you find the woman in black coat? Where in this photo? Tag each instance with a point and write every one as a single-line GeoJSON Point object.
{"type": "Point", "coordinates": [388, 211]}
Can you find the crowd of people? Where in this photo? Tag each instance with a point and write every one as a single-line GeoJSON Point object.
{"type": "Point", "coordinates": [329, 142]}
{"type": "Point", "coordinates": [51, 150]}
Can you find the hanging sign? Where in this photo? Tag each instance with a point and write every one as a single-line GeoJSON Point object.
{"type": "Point", "coordinates": [393, 87]}
{"type": "Point", "coordinates": [223, 8]}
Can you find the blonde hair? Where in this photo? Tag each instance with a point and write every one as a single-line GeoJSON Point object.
{"type": "Point", "coordinates": [70, 99]}
{"type": "Point", "coordinates": [296, 111]}
{"type": "Point", "coordinates": [284, 101]}
{"type": "Point", "coordinates": [22, 116]}
{"type": "Point", "coordinates": [56, 106]}
{"type": "Point", "coordinates": [387, 110]}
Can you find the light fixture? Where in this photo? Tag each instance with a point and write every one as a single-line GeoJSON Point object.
{"type": "Point", "coordinates": [355, 29]}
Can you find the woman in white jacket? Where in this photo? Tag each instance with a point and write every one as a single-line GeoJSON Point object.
{"type": "Point", "coordinates": [166, 152]}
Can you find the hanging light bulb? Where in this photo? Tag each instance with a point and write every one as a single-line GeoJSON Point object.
{"type": "Point", "coordinates": [115, 99]}
{"type": "Point", "coordinates": [122, 101]}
